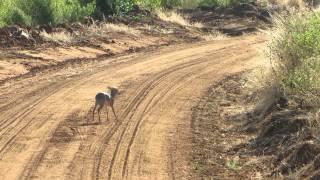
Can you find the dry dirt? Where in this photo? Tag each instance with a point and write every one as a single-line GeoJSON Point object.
{"type": "Point", "coordinates": [44, 132]}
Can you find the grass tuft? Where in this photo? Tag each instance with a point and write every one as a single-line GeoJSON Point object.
{"type": "Point", "coordinates": [102, 30]}
{"type": "Point", "coordinates": [175, 17]}
{"type": "Point", "coordinates": [59, 37]}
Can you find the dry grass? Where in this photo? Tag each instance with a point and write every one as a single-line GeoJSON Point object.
{"type": "Point", "coordinates": [289, 4]}
{"type": "Point", "coordinates": [213, 36]}
{"type": "Point", "coordinates": [58, 37]}
{"type": "Point", "coordinates": [174, 17]}
{"type": "Point", "coordinates": [102, 30]}
{"type": "Point", "coordinates": [151, 28]}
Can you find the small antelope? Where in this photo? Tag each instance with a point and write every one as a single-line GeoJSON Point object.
{"type": "Point", "coordinates": [106, 98]}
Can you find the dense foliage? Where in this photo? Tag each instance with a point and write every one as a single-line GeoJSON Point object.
{"type": "Point", "coordinates": [43, 11]}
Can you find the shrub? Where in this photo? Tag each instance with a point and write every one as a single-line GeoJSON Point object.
{"type": "Point", "coordinates": [295, 51]}
{"type": "Point", "coordinates": [69, 10]}
{"type": "Point", "coordinates": [33, 12]}
{"type": "Point", "coordinates": [159, 4]}
{"type": "Point", "coordinates": [220, 3]}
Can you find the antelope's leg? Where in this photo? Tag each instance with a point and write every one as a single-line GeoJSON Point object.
{"type": "Point", "coordinates": [114, 112]}
{"type": "Point", "coordinates": [94, 109]}
{"type": "Point", "coordinates": [99, 110]}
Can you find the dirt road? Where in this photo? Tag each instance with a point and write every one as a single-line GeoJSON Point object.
{"type": "Point", "coordinates": [43, 130]}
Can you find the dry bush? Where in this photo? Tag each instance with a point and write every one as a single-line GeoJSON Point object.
{"type": "Point", "coordinates": [263, 89]}
{"type": "Point", "coordinates": [59, 37]}
{"type": "Point", "coordinates": [288, 4]}
{"type": "Point", "coordinates": [174, 17]}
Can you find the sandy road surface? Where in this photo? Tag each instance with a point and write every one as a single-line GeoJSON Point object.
{"type": "Point", "coordinates": [43, 131]}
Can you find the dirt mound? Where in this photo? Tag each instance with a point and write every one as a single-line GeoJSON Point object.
{"type": "Point", "coordinates": [233, 21]}
{"type": "Point", "coordinates": [23, 36]}
{"type": "Point", "coordinates": [297, 157]}
{"type": "Point", "coordinates": [30, 37]}
{"type": "Point", "coordinates": [19, 36]}
{"type": "Point", "coordinates": [280, 128]}
{"type": "Point", "coordinates": [288, 137]}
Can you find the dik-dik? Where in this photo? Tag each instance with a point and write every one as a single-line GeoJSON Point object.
{"type": "Point", "coordinates": [106, 99]}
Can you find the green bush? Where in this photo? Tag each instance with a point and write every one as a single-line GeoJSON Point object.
{"type": "Point", "coordinates": [124, 6]}
{"type": "Point", "coordinates": [296, 53]}
{"type": "Point", "coordinates": [220, 3]}
{"type": "Point", "coordinates": [33, 12]}
{"type": "Point", "coordinates": [158, 4]}
{"type": "Point", "coordinates": [69, 10]}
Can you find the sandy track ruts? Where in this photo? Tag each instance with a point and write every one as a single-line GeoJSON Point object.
{"type": "Point", "coordinates": [43, 126]}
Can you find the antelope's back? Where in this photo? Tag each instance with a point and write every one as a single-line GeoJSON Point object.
{"type": "Point", "coordinates": [100, 98]}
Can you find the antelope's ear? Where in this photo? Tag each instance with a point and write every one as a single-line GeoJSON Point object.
{"type": "Point", "coordinates": [109, 87]}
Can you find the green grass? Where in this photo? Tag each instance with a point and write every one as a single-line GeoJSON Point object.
{"type": "Point", "coordinates": [295, 51]}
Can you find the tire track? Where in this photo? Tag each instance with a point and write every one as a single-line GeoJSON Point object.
{"type": "Point", "coordinates": [135, 103]}
{"type": "Point", "coordinates": [166, 90]}
{"type": "Point", "coordinates": [35, 161]}
{"type": "Point", "coordinates": [63, 85]}
{"type": "Point", "coordinates": [153, 84]}
{"type": "Point", "coordinates": [109, 153]}
{"type": "Point", "coordinates": [21, 116]}
{"type": "Point", "coordinates": [131, 108]}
